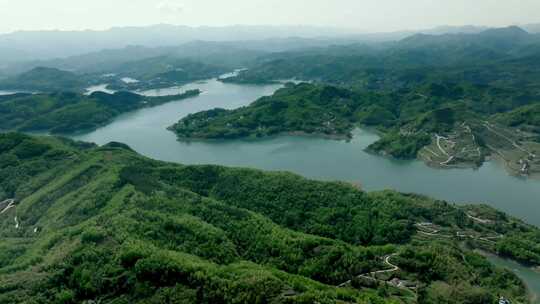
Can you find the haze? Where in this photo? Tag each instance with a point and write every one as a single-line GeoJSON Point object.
{"type": "Point", "coordinates": [367, 15]}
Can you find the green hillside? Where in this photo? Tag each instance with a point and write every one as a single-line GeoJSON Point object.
{"type": "Point", "coordinates": [523, 116]}
{"type": "Point", "coordinates": [43, 79]}
{"type": "Point", "coordinates": [104, 224]}
{"type": "Point", "coordinates": [501, 57]}
{"type": "Point", "coordinates": [321, 110]}
{"type": "Point", "coordinates": [67, 112]}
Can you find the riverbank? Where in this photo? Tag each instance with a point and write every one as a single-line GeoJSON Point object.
{"type": "Point", "coordinates": [529, 275]}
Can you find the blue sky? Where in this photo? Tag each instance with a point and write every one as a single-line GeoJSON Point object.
{"type": "Point", "coordinates": [368, 15]}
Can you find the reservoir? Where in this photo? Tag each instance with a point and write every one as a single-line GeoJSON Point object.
{"type": "Point", "coordinates": [317, 158]}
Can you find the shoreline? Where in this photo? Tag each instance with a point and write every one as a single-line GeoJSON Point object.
{"type": "Point", "coordinates": [336, 137]}
{"type": "Point", "coordinates": [532, 295]}
{"type": "Point", "coordinates": [493, 157]}
{"type": "Point", "coordinates": [504, 164]}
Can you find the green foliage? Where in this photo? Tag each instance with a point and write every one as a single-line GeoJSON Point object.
{"type": "Point", "coordinates": [523, 247]}
{"type": "Point", "coordinates": [120, 228]}
{"type": "Point", "coordinates": [106, 225]}
{"type": "Point", "coordinates": [93, 235]}
{"type": "Point", "coordinates": [523, 116]}
{"type": "Point", "coordinates": [401, 146]}
{"type": "Point", "coordinates": [407, 118]}
{"type": "Point", "coordinates": [45, 79]}
{"type": "Point", "coordinates": [304, 108]}
{"type": "Point", "coordinates": [505, 57]}
{"type": "Point", "coordinates": [71, 112]}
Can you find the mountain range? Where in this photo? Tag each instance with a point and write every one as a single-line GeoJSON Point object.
{"type": "Point", "coordinates": [40, 45]}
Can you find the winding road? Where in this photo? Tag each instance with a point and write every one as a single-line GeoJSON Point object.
{"type": "Point", "coordinates": [370, 275]}
{"type": "Point", "coordinates": [450, 157]}
{"type": "Point", "coordinates": [439, 144]}
{"type": "Point", "coordinates": [10, 204]}
{"type": "Point", "coordinates": [490, 128]}
{"type": "Point", "coordinates": [482, 221]}
{"type": "Point", "coordinates": [460, 234]}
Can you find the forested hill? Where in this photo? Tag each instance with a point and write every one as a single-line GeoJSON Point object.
{"type": "Point", "coordinates": [45, 79]}
{"type": "Point", "coordinates": [66, 112]}
{"type": "Point", "coordinates": [120, 74]}
{"type": "Point", "coordinates": [306, 108]}
{"type": "Point", "coordinates": [85, 223]}
{"type": "Point", "coordinates": [496, 56]}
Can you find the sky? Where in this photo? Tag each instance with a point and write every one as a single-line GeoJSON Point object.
{"type": "Point", "coordinates": [366, 15]}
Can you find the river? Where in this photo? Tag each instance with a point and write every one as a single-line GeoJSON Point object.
{"type": "Point", "coordinates": [145, 131]}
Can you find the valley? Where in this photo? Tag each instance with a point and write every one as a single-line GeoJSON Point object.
{"type": "Point", "coordinates": [395, 172]}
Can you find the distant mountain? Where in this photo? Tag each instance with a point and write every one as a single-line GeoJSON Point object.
{"type": "Point", "coordinates": [44, 45]}
{"type": "Point", "coordinates": [35, 45]}
{"type": "Point", "coordinates": [511, 34]}
{"type": "Point", "coordinates": [230, 54]}
{"type": "Point", "coordinates": [495, 56]}
{"type": "Point", "coordinates": [44, 79]}
{"type": "Point", "coordinates": [487, 44]}
{"type": "Point", "coordinates": [532, 28]}
{"type": "Point", "coordinates": [466, 29]}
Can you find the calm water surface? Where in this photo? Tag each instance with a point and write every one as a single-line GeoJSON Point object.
{"type": "Point", "coordinates": [145, 131]}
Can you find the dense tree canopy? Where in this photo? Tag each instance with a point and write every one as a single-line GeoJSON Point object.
{"type": "Point", "coordinates": [102, 223]}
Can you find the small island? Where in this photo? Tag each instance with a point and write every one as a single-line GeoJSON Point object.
{"type": "Point", "coordinates": [68, 112]}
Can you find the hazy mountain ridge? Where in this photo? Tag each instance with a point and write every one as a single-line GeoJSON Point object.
{"type": "Point", "coordinates": [394, 64]}
{"type": "Point", "coordinates": [54, 44]}
{"type": "Point", "coordinates": [43, 45]}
